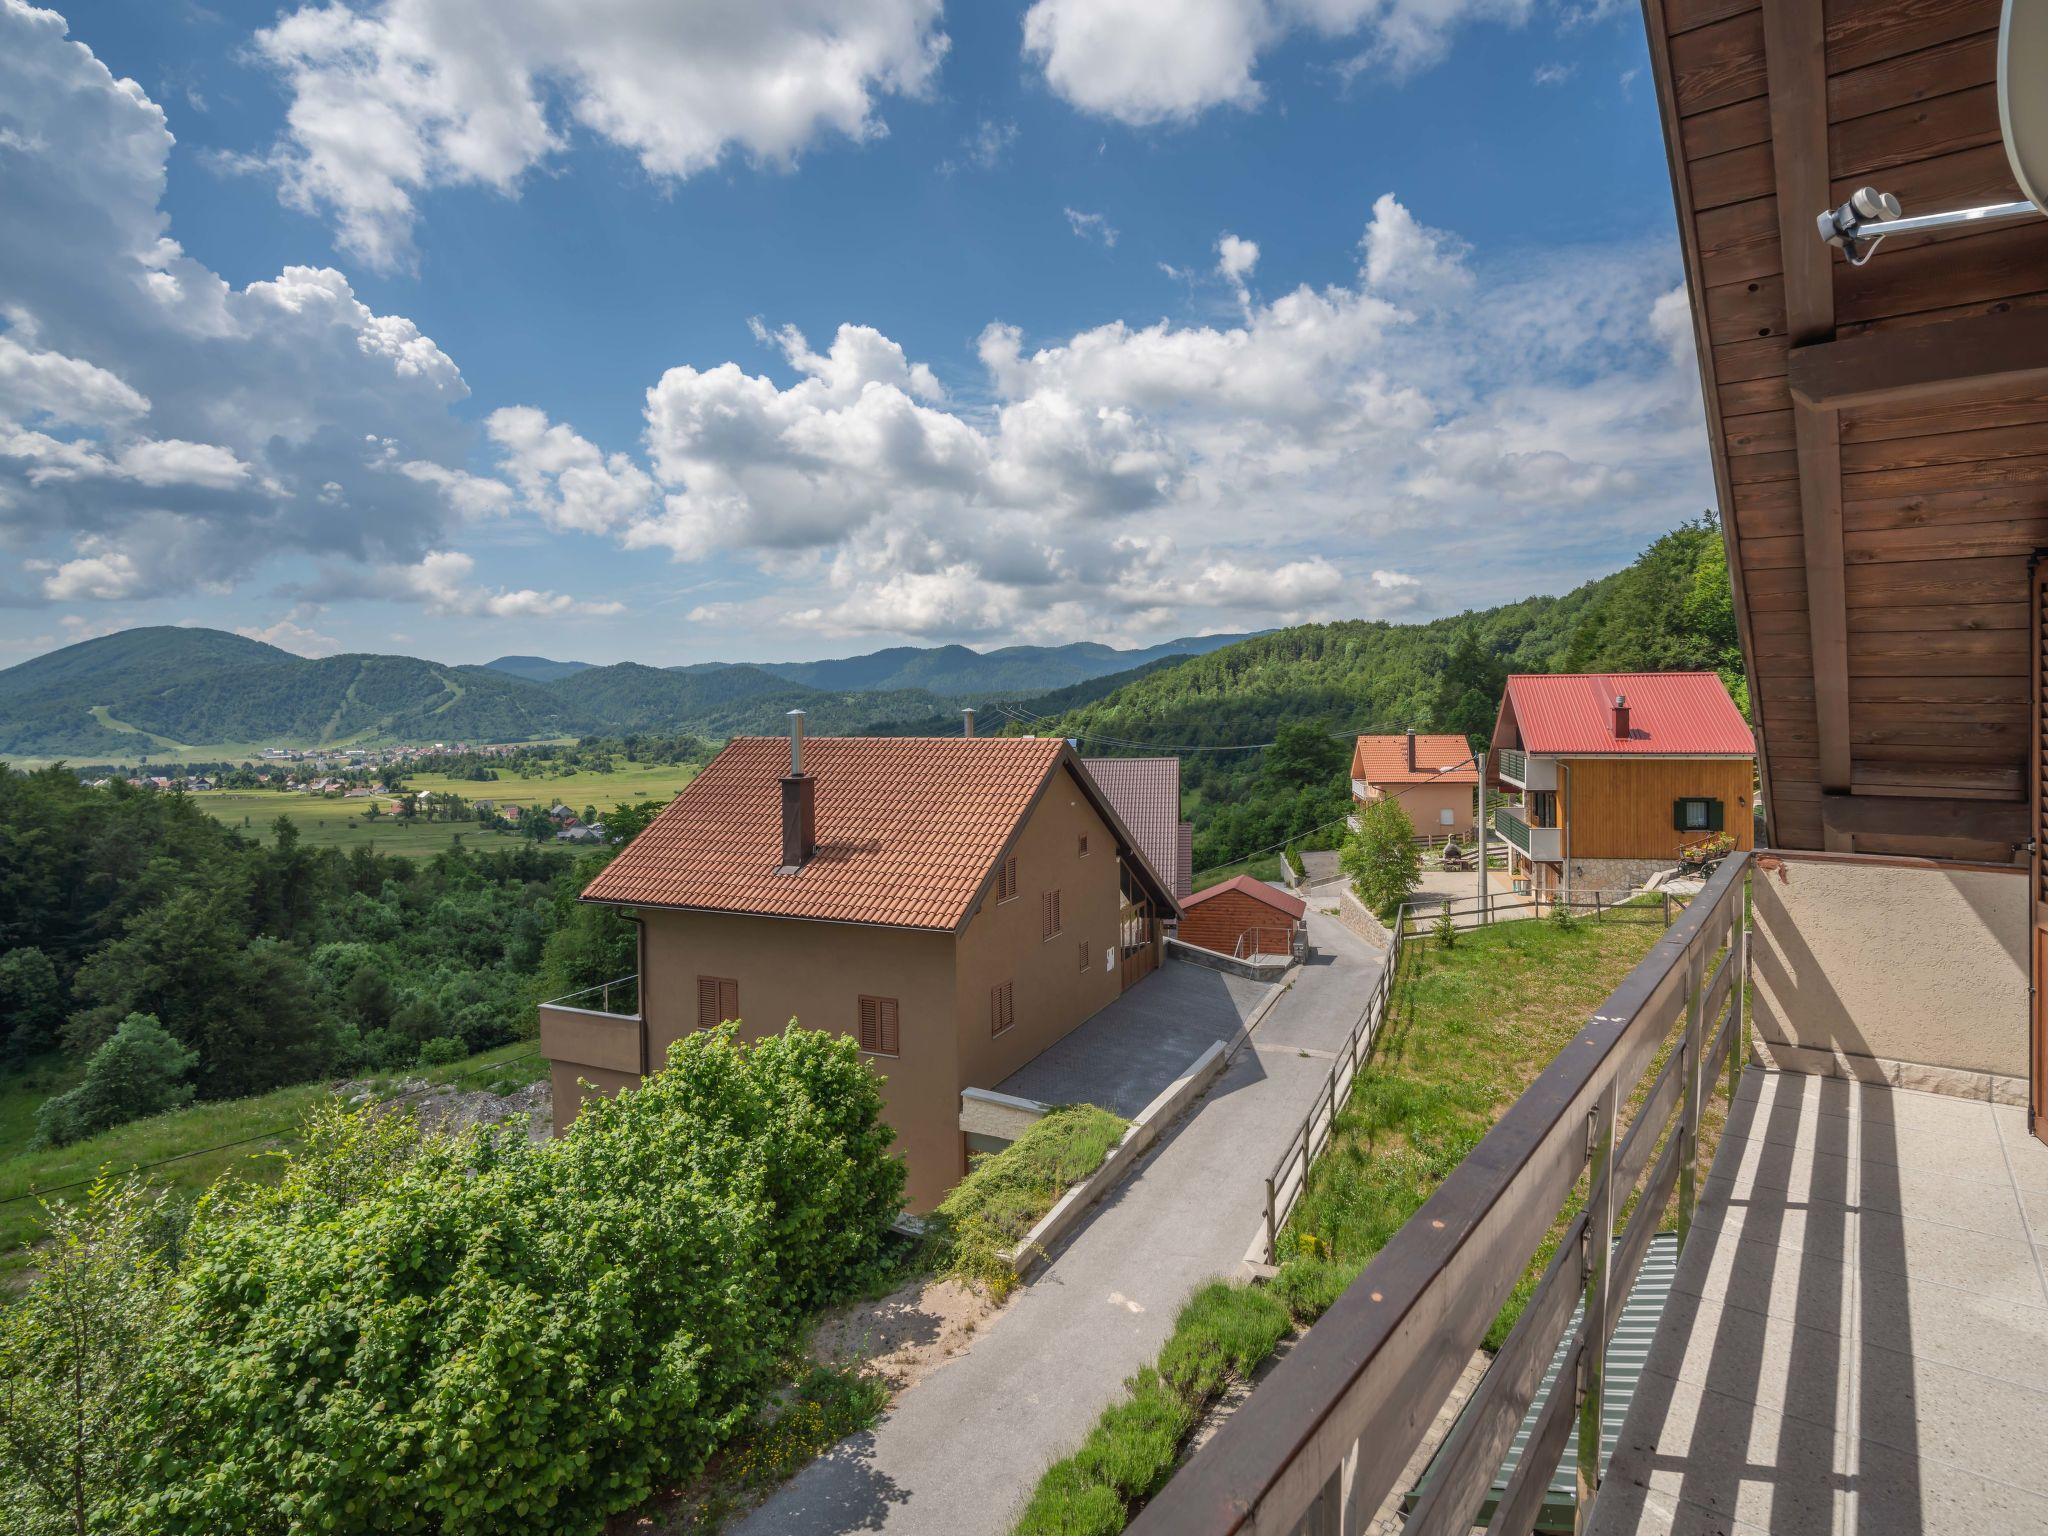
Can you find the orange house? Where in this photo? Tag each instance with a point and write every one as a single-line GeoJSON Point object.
{"type": "Point", "coordinates": [1433, 777]}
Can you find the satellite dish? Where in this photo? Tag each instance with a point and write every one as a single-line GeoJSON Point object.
{"type": "Point", "coordinates": [2023, 94]}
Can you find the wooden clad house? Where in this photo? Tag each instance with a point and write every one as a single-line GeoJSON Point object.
{"type": "Point", "coordinates": [1614, 773]}
{"type": "Point", "coordinates": [1242, 917]}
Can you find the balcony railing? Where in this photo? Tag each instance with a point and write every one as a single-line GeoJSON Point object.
{"type": "Point", "coordinates": [620, 995]}
{"type": "Point", "coordinates": [598, 1029]}
{"type": "Point", "coordinates": [1514, 766]}
{"type": "Point", "coordinates": [1321, 1442]}
{"type": "Point", "coordinates": [1545, 844]}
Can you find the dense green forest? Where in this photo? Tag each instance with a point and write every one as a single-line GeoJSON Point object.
{"type": "Point", "coordinates": [1669, 610]}
{"type": "Point", "coordinates": [268, 965]}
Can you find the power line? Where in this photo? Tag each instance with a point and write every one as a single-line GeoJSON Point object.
{"type": "Point", "coordinates": [274, 1134]}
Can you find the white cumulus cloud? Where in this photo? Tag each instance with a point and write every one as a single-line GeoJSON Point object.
{"type": "Point", "coordinates": [393, 98]}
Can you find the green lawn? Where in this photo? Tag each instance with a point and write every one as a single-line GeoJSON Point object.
{"type": "Point", "coordinates": [340, 823]}
{"type": "Point", "coordinates": [253, 1122]}
{"type": "Point", "coordinates": [1468, 1029]}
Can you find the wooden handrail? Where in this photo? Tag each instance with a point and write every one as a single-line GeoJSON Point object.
{"type": "Point", "coordinates": [1332, 1427]}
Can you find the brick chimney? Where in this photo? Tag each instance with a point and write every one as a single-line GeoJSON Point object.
{"type": "Point", "coordinates": [1621, 717]}
{"type": "Point", "coordinates": [799, 803]}
{"type": "Point", "coordinates": [1411, 749]}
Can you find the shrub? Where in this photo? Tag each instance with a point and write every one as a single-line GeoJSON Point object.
{"type": "Point", "coordinates": [1307, 1286]}
{"type": "Point", "coordinates": [488, 1335]}
{"type": "Point", "coordinates": [990, 1210]}
{"type": "Point", "coordinates": [1134, 1443]}
{"type": "Point", "coordinates": [70, 1351]}
{"type": "Point", "coordinates": [1067, 1502]}
{"type": "Point", "coordinates": [441, 1051]}
{"type": "Point", "coordinates": [1445, 929]}
{"type": "Point", "coordinates": [1381, 858]}
{"type": "Point", "coordinates": [140, 1071]}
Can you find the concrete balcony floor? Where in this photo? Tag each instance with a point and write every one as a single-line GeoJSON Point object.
{"type": "Point", "coordinates": [1857, 1338]}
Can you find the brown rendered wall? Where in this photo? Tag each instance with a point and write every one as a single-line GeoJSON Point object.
{"type": "Point", "coordinates": [1425, 802]}
{"type": "Point", "coordinates": [816, 973]}
{"type": "Point", "coordinates": [1620, 808]}
{"type": "Point", "coordinates": [1004, 940]}
{"type": "Point", "coordinates": [1219, 922]}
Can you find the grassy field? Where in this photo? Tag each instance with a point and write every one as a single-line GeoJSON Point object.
{"type": "Point", "coordinates": [339, 823]}
{"type": "Point", "coordinates": [1468, 1029]}
{"type": "Point", "coordinates": [255, 1126]}
{"type": "Point", "coordinates": [1264, 866]}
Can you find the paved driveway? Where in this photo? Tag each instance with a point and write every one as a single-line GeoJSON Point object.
{"type": "Point", "coordinates": [960, 1452]}
{"type": "Point", "coordinates": [1127, 1054]}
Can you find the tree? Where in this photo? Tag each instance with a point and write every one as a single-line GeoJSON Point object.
{"type": "Point", "coordinates": [31, 1002]}
{"type": "Point", "coordinates": [623, 823]}
{"type": "Point", "coordinates": [71, 1351]}
{"type": "Point", "coordinates": [140, 1071]}
{"type": "Point", "coordinates": [1305, 755]}
{"type": "Point", "coordinates": [1468, 689]}
{"type": "Point", "coordinates": [1381, 857]}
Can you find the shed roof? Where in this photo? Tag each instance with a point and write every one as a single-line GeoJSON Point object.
{"type": "Point", "coordinates": [1671, 714]}
{"type": "Point", "coordinates": [1146, 793]}
{"type": "Point", "coordinates": [1438, 760]}
{"type": "Point", "coordinates": [1258, 890]}
{"type": "Point", "coordinates": [909, 830]}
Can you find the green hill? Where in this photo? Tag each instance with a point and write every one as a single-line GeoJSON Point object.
{"type": "Point", "coordinates": [536, 669]}
{"type": "Point", "coordinates": [956, 671]}
{"type": "Point", "coordinates": [1669, 610]}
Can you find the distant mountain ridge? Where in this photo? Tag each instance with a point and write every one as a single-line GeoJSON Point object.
{"type": "Point", "coordinates": [949, 670]}
{"type": "Point", "coordinates": [167, 689]}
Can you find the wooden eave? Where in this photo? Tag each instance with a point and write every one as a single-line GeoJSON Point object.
{"type": "Point", "coordinates": [1879, 433]}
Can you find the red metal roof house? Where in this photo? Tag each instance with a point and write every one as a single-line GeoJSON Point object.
{"type": "Point", "coordinates": [1616, 773]}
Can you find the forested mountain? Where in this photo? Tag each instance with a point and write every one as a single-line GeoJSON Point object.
{"type": "Point", "coordinates": [954, 670]}
{"type": "Point", "coordinates": [1669, 610]}
{"type": "Point", "coordinates": [536, 669]}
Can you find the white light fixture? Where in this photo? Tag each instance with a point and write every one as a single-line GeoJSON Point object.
{"type": "Point", "coordinates": [1868, 216]}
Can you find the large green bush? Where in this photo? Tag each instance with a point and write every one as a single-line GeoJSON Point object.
{"type": "Point", "coordinates": [140, 1071]}
{"type": "Point", "coordinates": [410, 1333]}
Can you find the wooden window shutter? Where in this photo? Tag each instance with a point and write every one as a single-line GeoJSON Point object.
{"type": "Point", "coordinates": [1716, 816]}
{"type": "Point", "coordinates": [1002, 1007]}
{"type": "Point", "coordinates": [1084, 954]}
{"type": "Point", "coordinates": [878, 1031]}
{"type": "Point", "coordinates": [1049, 915]}
{"type": "Point", "coordinates": [718, 999]}
{"type": "Point", "coordinates": [1084, 845]}
{"type": "Point", "coordinates": [1678, 815]}
{"type": "Point", "coordinates": [1009, 877]}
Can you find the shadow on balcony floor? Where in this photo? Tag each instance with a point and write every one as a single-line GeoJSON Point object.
{"type": "Point", "coordinates": [1858, 1333]}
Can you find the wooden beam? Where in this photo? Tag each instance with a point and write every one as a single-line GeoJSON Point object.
{"type": "Point", "coordinates": [1977, 353]}
{"type": "Point", "coordinates": [1795, 61]}
{"type": "Point", "coordinates": [2003, 822]}
{"type": "Point", "coordinates": [1658, 28]}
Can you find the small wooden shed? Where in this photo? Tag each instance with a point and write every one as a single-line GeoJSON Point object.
{"type": "Point", "coordinates": [1242, 917]}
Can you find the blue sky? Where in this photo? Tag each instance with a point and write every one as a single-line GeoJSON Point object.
{"type": "Point", "coordinates": [628, 330]}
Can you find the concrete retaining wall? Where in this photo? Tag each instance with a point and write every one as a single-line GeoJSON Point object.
{"type": "Point", "coordinates": [999, 1116]}
{"type": "Point", "coordinates": [1358, 917]}
{"type": "Point", "coordinates": [1257, 967]}
{"type": "Point", "coordinates": [1168, 1107]}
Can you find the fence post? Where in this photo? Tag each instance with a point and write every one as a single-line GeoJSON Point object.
{"type": "Point", "coordinates": [1667, 907]}
{"type": "Point", "coordinates": [1597, 908]}
{"type": "Point", "coordinates": [1599, 1246]}
{"type": "Point", "coordinates": [1738, 1046]}
{"type": "Point", "coordinates": [1693, 1078]}
{"type": "Point", "coordinates": [1333, 1104]}
{"type": "Point", "coordinates": [1272, 1228]}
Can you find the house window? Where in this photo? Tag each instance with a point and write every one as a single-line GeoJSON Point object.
{"type": "Point", "coordinates": [1696, 813]}
{"type": "Point", "coordinates": [1084, 954]}
{"type": "Point", "coordinates": [1006, 880]}
{"type": "Point", "coordinates": [1084, 845]}
{"type": "Point", "coordinates": [718, 999]}
{"type": "Point", "coordinates": [878, 1035]}
{"type": "Point", "coordinates": [1048, 915]}
{"type": "Point", "coordinates": [1002, 1007]}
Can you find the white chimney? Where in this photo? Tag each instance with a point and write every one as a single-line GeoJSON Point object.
{"type": "Point", "coordinates": [796, 743]}
{"type": "Point", "coordinates": [967, 721]}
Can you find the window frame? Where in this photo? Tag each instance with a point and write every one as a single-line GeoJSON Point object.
{"type": "Point", "coordinates": [1002, 1008]}
{"type": "Point", "coordinates": [888, 1026]}
{"type": "Point", "coordinates": [720, 984]}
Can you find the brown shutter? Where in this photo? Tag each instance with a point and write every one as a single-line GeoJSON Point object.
{"type": "Point", "coordinates": [2037, 767]}
{"type": "Point", "coordinates": [878, 1032]}
{"type": "Point", "coordinates": [1002, 1008]}
{"type": "Point", "coordinates": [718, 999]}
{"type": "Point", "coordinates": [1084, 954]}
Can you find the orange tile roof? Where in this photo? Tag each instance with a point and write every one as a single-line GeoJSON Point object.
{"type": "Point", "coordinates": [1384, 760]}
{"type": "Point", "coordinates": [909, 829]}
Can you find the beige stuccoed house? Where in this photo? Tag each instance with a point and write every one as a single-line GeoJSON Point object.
{"type": "Point", "coordinates": [955, 903]}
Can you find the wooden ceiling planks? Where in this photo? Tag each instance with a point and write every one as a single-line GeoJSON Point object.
{"type": "Point", "coordinates": [1880, 433]}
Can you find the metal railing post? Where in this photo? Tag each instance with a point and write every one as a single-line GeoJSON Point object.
{"type": "Point", "coordinates": [1599, 1246]}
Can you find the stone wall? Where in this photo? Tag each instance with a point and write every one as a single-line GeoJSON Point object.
{"type": "Point", "coordinates": [1589, 875]}
{"type": "Point", "coordinates": [1355, 915]}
